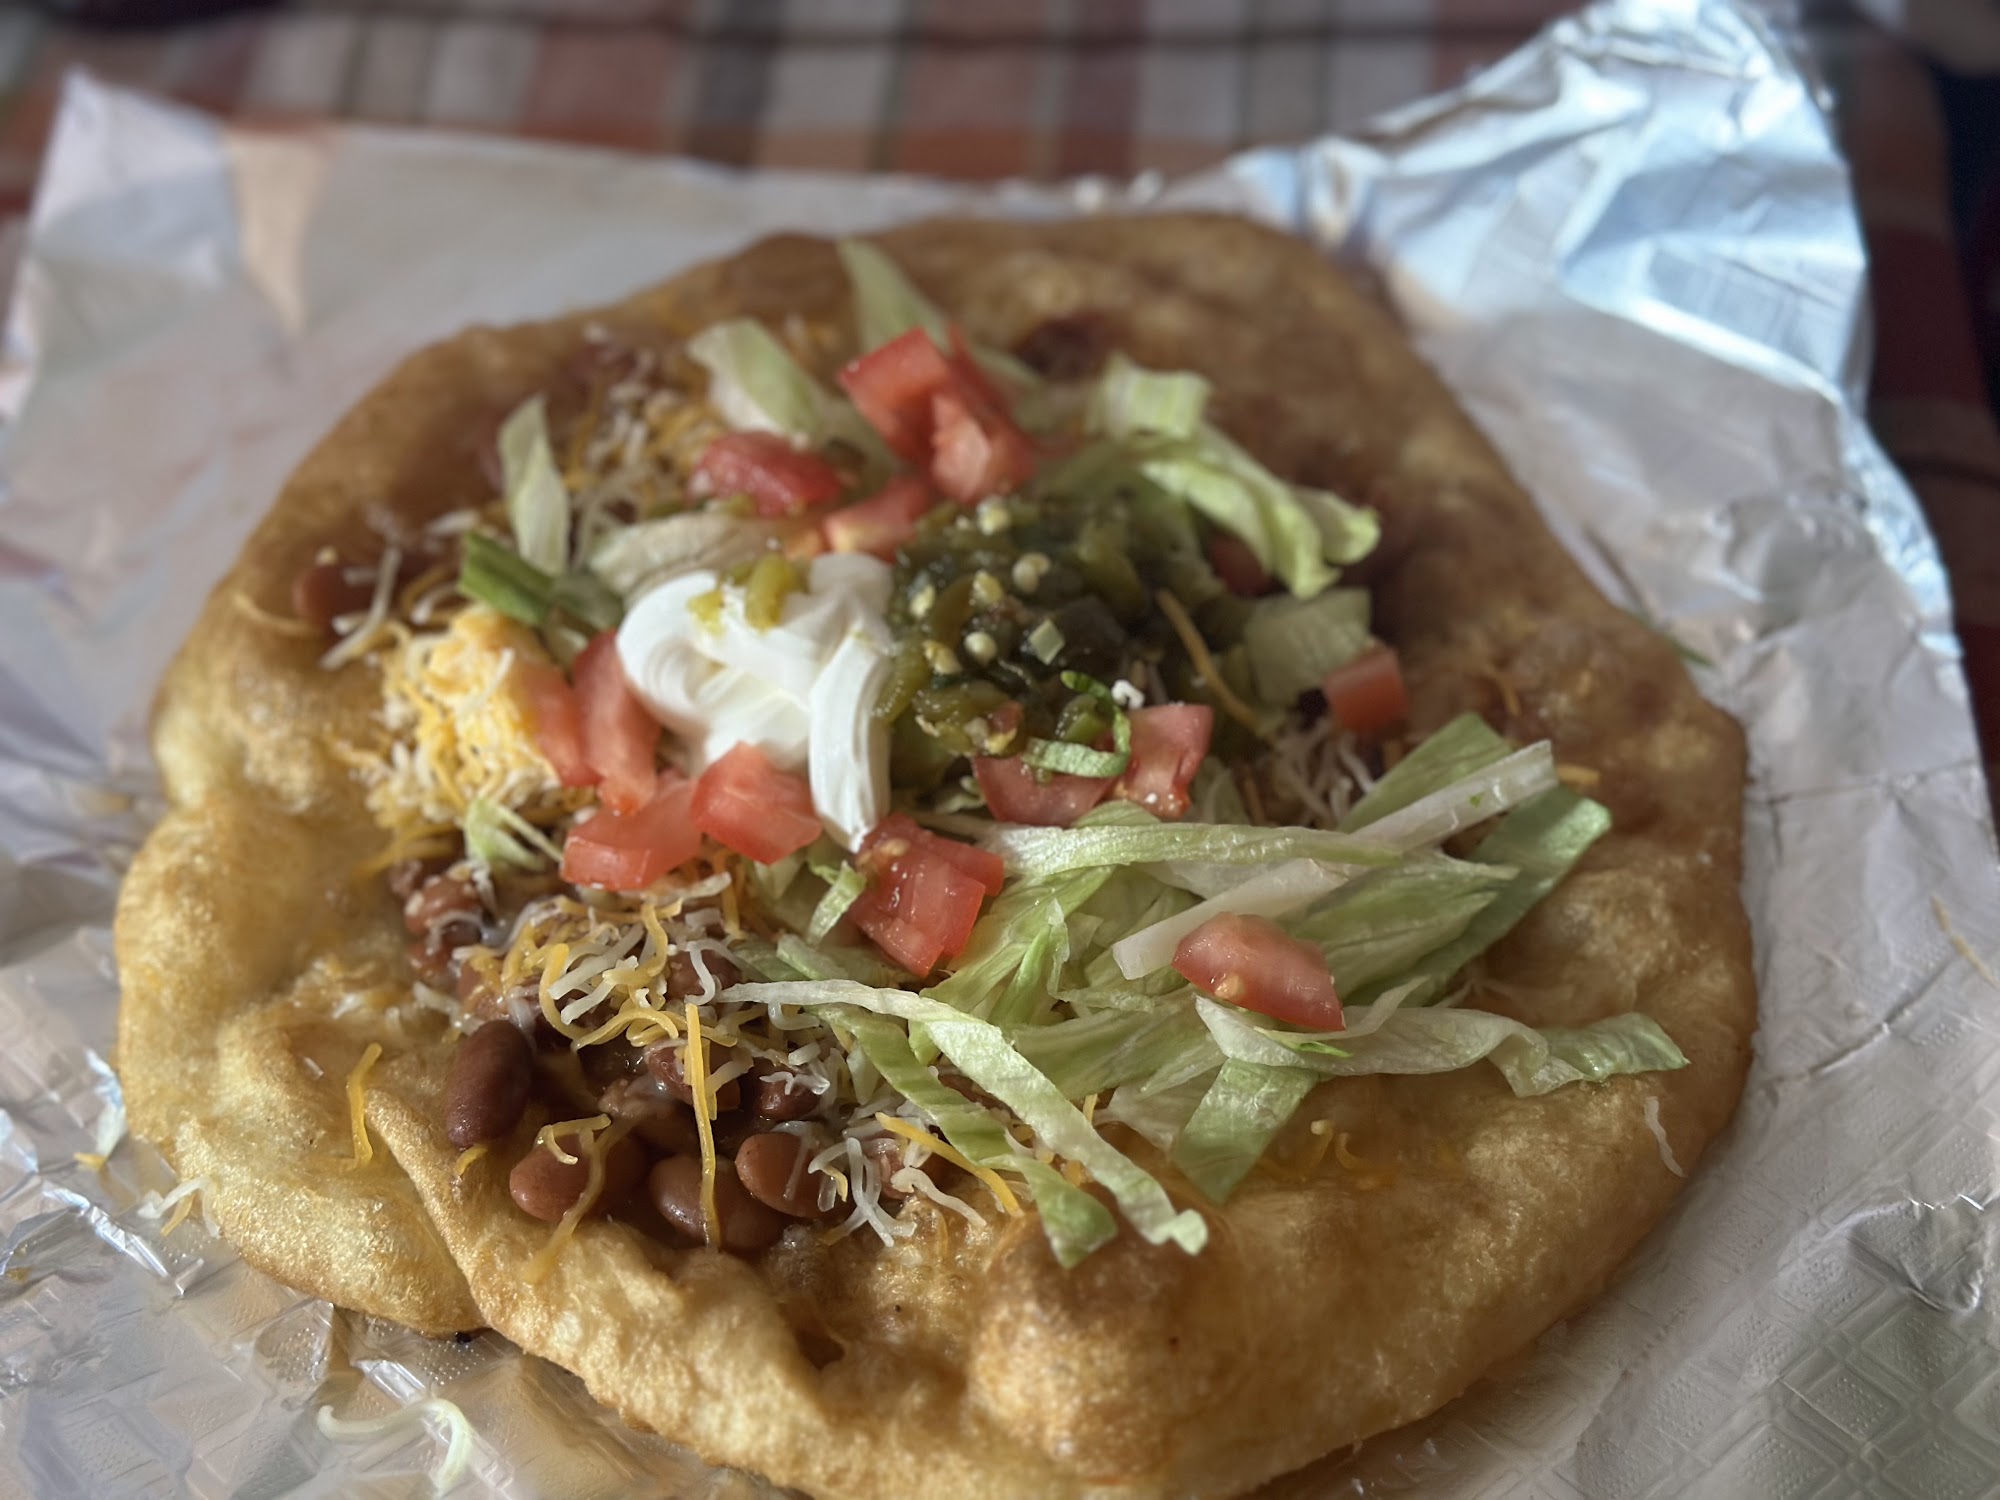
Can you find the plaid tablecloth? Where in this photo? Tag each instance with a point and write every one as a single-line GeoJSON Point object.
{"type": "Point", "coordinates": [1045, 88]}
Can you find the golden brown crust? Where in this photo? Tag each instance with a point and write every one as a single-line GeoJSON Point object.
{"type": "Point", "coordinates": [1330, 1305]}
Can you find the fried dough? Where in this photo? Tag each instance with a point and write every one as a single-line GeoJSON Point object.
{"type": "Point", "coordinates": [1334, 1301]}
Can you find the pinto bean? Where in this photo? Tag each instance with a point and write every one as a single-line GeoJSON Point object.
{"type": "Point", "coordinates": [478, 992]}
{"type": "Point", "coordinates": [779, 1099]}
{"type": "Point", "coordinates": [444, 910]}
{"type": "Point", "coordinates": [431, 963]}
{"type": "Point", "coordinates": [665, 1065]}
{"type": "Point", "coordinates": [772, 1168]}
{"type": "Point", "coordinates": [747, 1226]}
{"type": "Point", "coordinates": [544, 1188]}
{"type": "Point", "coordinates": [487, 1085]}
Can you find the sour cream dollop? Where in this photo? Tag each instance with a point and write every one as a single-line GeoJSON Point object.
{"type": "Point", "coordinates": [803, 691]}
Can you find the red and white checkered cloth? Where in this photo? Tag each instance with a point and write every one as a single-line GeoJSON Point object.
{"type": "Point", "coordinates": [1041, 89]}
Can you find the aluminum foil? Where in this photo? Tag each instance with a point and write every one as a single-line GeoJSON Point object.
{"type": "Point", "coordinates": [1630, 248]}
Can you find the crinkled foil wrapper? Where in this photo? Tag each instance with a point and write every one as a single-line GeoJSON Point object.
{"type": "Point", "coordinates": [1632, 251]}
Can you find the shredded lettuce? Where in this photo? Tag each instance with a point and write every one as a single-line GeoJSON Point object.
{"type": "Point", "coordinates": [1074, 1222]}
{"type": "Point", "coordinates": [1293, 643]}
{"type": "Point", "coordinates": [1347, 532]}
{"type": "Point", "coordinates": [1539, 843]}
{"type": "Point", "coordinates": [1375, 928]}
{"type": "Point", "coordinates": [1236, 492]}
{"type": "Point", "coordinates": [497, 836]}
{"type": "Point", "coordinates": [757, 386]}
{"type": "Point", "coordinates": [1294, 531]}
{"type": "Point", "coordinates": [842, 891]}
{"type": "Point", "coordinates": [1429, 1040]}
{"type": "Point", "coordinates": [1094, 1053]}
{"type": "Point", "coordinates": [1010, 926]}
{"type": "Point", "coordinates": [1130, 400]}
{"type": "Point", "coordinates": [1276, 892]}
{"type": "Point", "coordinates": [1040, 852]}
{"type": "Point", "coordinates": [1484, 794]}
{"type": "Point", "coordinates": [982, 1053]}
{"type": "Point", "coordinates": [887, 304]}
{"type": "Point", "coordinates": [1159, 1115]}
{"type": "Point", "coordinates": [537, 503]}
{"type": "Point", "coordinates": [1464, 746]}
{"type": "Point", "coordinates": [1246, 1106]}
{"type": "Point", "coordinates": [834, 961]}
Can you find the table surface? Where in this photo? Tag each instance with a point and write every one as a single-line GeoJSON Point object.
{"type": "Point", "coordinates": [1044, 89]}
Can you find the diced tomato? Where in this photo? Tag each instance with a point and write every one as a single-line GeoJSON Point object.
{"type": "Point", "coordinates": [1016, 793]}
{"type": "Point", "coordinates": [978, 451]}
{"type": "Point", "coordinates": [781, 479]}
{"type": "Point", "coordinates": [898, 829]}
{"type": "Point", "coordinates": [619, 735]}
{"type": "Point", "coordinates": [882, 523]}
{"type": "Point", "coordinates": [558, 717]}
{"type": "Point", "coordinates": [1236, 565]}
{"type": "Point", "coordinates": [924, 893]}
{"type": "Point", "coordinates": [973, 375]}
{"type": "Point", "coordinates": [892, 387]}
{"type": "Point", "coordinates": [1255, 963]}
{"type": "Point", "coordinates": [1367, 694]}
{"type": "Point", "coordinates": [629, 851]}
{"type": "Point", "coordinates": [747, 804]}
{"type": "Point", "coordinates": [1168, 744]}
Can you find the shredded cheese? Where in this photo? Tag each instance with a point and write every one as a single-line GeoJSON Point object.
{"type": "Point", "coordinates": [1965, 950]}
{"type": "Point", "coordinates": [459, 708]}
{"type": "Point", "coordinates": [1660, 1134]}
{"type": "Point", "coordinates": [1346, 1157]}
{"type": "Point", "coordinates": [466, 1158]}
{"type": "Point", "coordinates": [282, 624]}
{"type": "Point", "coordinates": [92, 1160]}
{"type": "Point", "coordinates": [368, 633]}
{"type": "Point", "coordinates": [176, 1205]}
{"type": "Point", "coordinates": [1322, 1134]}
{"type": "Point", "coordinates": [457, 1429]}
{"type": "Point", "coordinates": [593, 1146]}
{"type": "Point", "coordinates": [364, 1149]}
{"type": "Point", "coordinates": [694, 1067]}
{"type": "Point", "coordinates": [988, 1178]}
{"type": "Point", "coordinates": [550, 1136]}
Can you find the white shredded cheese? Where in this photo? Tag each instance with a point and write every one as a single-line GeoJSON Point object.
{"type": "Point", "coordinates": [1660, 1134]}
{"type": "Point", "coordinates": [365, 633]}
